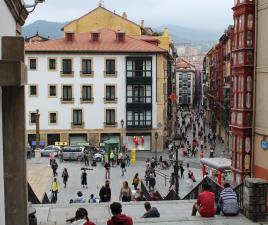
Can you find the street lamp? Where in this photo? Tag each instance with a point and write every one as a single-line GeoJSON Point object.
{"type": "Point", "coordinates": [156, 137]}
{"type": "Point", "coordinates": [122, 138]}
{"type": "Point", "coordinates": [37, 136]}
{"type": "Point", "coordinates": [177, 143]}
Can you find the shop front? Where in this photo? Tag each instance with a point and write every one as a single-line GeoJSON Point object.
{"type": "Point", "coordinates": [75, 139]}
{"type": "Point", "coordinates": [139, 142]}
{"type": "Point", "coordinates": [52, 139]}
{"type": "Point", "coordinates": [111, 142]}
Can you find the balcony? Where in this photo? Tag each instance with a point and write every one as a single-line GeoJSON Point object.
{"type": "Point", "coordinates": [77, 125]}
{"type": "Point", "coordinates": [86, 73]}
{"type": "Point", "coordinates": [110, 124]}
{"type": "Point", "coordinates": [86, 100]}
{"type": "Point", "coordinates": [67, 73]}
{"type": "Point", "coordinates": [110, 74]}
{"type": "Point", "coordinates": [139, 124]}
{"type": "Point", "coordinates": [67, 100]}
{"type": "Point", "coordinates": [109, 100]}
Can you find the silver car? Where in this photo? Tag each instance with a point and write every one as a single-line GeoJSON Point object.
{"type": "Point", "coordinates": [73, 153]}
{"type": "Point", "coordinates": [49, 149]}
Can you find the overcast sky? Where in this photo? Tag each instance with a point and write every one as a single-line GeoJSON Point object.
{"type": "Point", "coordinates": [204, 14]}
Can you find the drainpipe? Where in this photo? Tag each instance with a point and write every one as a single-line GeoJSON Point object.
{"type": "Point", "coordinates": [254, 90]}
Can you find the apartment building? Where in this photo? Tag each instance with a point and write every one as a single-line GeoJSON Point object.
{"type": "Point", "coordinates": [97, 86]}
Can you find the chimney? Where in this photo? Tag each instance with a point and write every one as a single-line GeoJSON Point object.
{"type": "Point", "coordinates": [120, 36]}
{"type": "Point", "coordinates": [124, 15]}
{"type": "Point", "coordinates": [69, 36]}
{"type": "Point", "coordinates": [142, 24]}
{"type": "Point", "coordinates": [95, 36]}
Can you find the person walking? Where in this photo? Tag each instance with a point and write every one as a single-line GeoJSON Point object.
{"type": "Point", "coordinates": [123, 167]}
{"type": "Point", "coordinates": [136, 181]}
{"type": "Point", "coordinates": [112, 157]}
{"type": "Point", "coordinates": [28, 151]}
{"type": "Point", "coordinates": [172, 180]}
{"type": "Point", "coordinates": [107, 167]}
{"type": "Point", "coordinates": [151, 182]}
{"type": "Point", "coordinates": [105, 192]}
{"type": "Point", "coordinates": [182, 171]}
{"type": "Point", "coordinates": [125, 193]}
{"type": "Point", "coordinates": [84, 179]}
{"type": "Point", "coordinates": [54, 166]}
{"type": "Point", "coordinates": [65, 177]}
{"type": "Point", "coordinates": [55, 189]}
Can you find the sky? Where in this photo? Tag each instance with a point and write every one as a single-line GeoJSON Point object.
{"type": "Point", "coordinates": [203, 14]}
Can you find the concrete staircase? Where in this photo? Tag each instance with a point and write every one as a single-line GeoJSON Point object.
{"type": "Point", "coordinates": [172, 213]}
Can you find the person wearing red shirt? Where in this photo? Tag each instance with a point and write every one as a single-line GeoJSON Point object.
{"type": "Point", "coordinates": [205, 203]}
{"type": "Point", "coordinates": [118, 218]}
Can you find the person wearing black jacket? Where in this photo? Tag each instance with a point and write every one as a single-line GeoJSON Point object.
{"type": "Point", "coordinates": [105, 192]}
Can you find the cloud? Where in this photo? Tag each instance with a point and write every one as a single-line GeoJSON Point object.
{"type": "Point", "coordinates": [204, 14]}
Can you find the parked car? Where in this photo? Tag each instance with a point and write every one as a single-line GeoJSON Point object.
{"type": "Point", "coordinates": [73, 153]}
{"type": "Point", "coordinates": [49, 149]}
{"type": "Point", "coordinates": [98, 157]}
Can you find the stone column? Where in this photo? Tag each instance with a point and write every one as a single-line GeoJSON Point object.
{"type": "Point", "coordinates": [255, 198]}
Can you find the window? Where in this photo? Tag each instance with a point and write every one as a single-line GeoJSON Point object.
{"type": "Point", "coordinates": [240, 57]}
{"type": "Point", "coordinates": [67, 66]}
{"type": "Point", "coordinates": [249, 83]}
{"type": "Point", "coordinates": [249, 39]}
{"type": "Point", "coordinates": [239, 118]}
{"type": "Point", "coordinates": [139, 118]}
{"type": "Point", "coordinates": [110, 93]}
{"type": "Point", "coordinates": [139, 94]}
{"type": "Point", "coordinates": [247, 145]}
{"type": "Point", "coordinates": [110, 117]}
{"type": "Point", "coordinates": [249, 57]}
{"type": "Point", "coordinates": [77, 117]}
{"type": "Point", "coordinates": [67, 94]}
{"type": "Point", "coordinates": [86, 66]}
{"type": "Point", "coordinates": [248, 120]}
{"type": "Point", "coordinates": [52, 64]}
{"type": "Point", "coordinates": [86, 93]}
{"type": "Point", "coordinates": [33, 64]}
{"type": "Point", "coordinates": [140, 67]}
{"type": "Point", "coordinates": [32, 117]}
{"type": "Point", "coordinates": [52, 91]}
{"type": "Point", "coordinates": [250, 21]}
{"type": "Point", "coordinates": [33, 90]}
{"type": "Point", "coordinates": [233, 118]}
{"type": "Point", "coordinates": [53, 118]}
{"type": "Point", "coordinates": [248, 100]}
{"type": "Point", "coordinates": [110, 66]}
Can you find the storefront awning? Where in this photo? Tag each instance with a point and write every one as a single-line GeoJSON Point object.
{"type": "Point", "coordinates": [111, 141]}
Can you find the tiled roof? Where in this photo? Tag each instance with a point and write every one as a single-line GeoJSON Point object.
{"type": "Point", "coordinates": [83, 43]}
{"type": "Point", "coordinates": [183, 64]}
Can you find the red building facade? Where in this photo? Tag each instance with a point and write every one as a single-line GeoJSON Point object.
{"type": "Point", "coordinates": [242, 88]}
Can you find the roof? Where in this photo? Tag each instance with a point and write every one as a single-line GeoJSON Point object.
{"type": "Point", "coordinates": [37, 35]}
{"type": "Point", "coordinates": [82, 43]}
{"type": "Point", "coordinates": [147, 38]}
{"type": "Point", "coordinates": [107, 11]}
{"type": "Point", "coordinates": [184, 64]}
{"type": "Point", "coordinates": [217, 163]}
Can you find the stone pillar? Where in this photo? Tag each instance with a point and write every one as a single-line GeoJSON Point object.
{"type": "Point", "coordinates": [255, 198]}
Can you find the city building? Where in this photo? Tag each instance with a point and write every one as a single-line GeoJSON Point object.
{"type": "Point", "coordinates": [98, 87]}
{"type": "Point", "coordinates": [260, 133]}
{"type": "Point", "coordinates": [36, 38]}
{"type": "Point", "coordinates": [185, 82]}
{"type": "Point", "coordinates": [13, 77]}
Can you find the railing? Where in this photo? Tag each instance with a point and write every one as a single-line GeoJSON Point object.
{"type": "Point", "coordinates": [172, 195]}
{"type": "Point", "coordinates": [215, 188]}
{"type": "Point", "coordinates": [239, 191]}
{"type": "Point", "coordinates": [163, 175]}
{"type": "Point", "coordinates": [45, 199]}
{"type": "Point", "coordinates": [32, 196]}
{"type": "Point", "coordinates": [146, 193]}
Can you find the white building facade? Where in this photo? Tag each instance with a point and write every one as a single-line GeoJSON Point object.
{"type": "Point", "coordinates": [95, 96]}
{"type": "Point", "coordinates": [185, 82]}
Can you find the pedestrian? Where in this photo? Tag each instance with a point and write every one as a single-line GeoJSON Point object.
{"type": "Point", "coordinates": [84, 179]}
{"type": "Point", "coordinates": [55, 189]}
{"type": "Point", "coordinates": [147, 175]}
{"type": "Point", "coordinates": [127, 159]}
{"type": "Point", "coordinates": [65, 177]}
{"type": "Point", "coordinates": [151, 212]}
{"type": "Point", "coordinates": [118, 218]}
{"type": "Point", "coordinates": [51, 158]}
{"type": "Point", "coordinates": [86, 158]}
{"type": "Point", "coordinates": [120, 157]}
{"type": "Point", "coordinates": [92, 199]}
{"type": "Point", "coordinates": [60, 155]}
{"type": "Point", "coordinates": [136, 181]}
{"type": "Point", "coordinates": [172, 181]}
{"type": "Point", "coordinates": [107, 167]}
{"type": "Point", "coordinates": [182, 171]}
{"type": "Point", "coordinates": [151, 182]}
{"type": "Point", "coordinates": [79, 198]}
{"type": "Point", "coordinates": [81, 218]}
{"type": "Point", "coordinates": [123, 167]}
{"type": "Point", "coordinates": [28, 151]}
{"type": "Point", "coordinates": [112, 156]}
{"type": "Point", "coordinates": [140, 197]}
{"type": "Point", "coordinates": [125, 193]}
{"type": "Point", "coordinates": [105, 192]}
{"type": "Point", "coordinates": [54, 166]}
{"type": "Point", "coordinates": [205, 203]}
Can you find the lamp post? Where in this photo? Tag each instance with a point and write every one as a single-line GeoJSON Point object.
{"type": "Point", "coordinates": [177, 143]}
{"type": "Point", "coordinates": [37, 136]}
{"type": "Point", "coordinates": [155, 150]}
{"type": "Point", "coordinates": [122, 137]}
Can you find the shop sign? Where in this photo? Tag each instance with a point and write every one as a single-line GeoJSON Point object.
{"type": "Point", "coordinates": [264, 144]}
